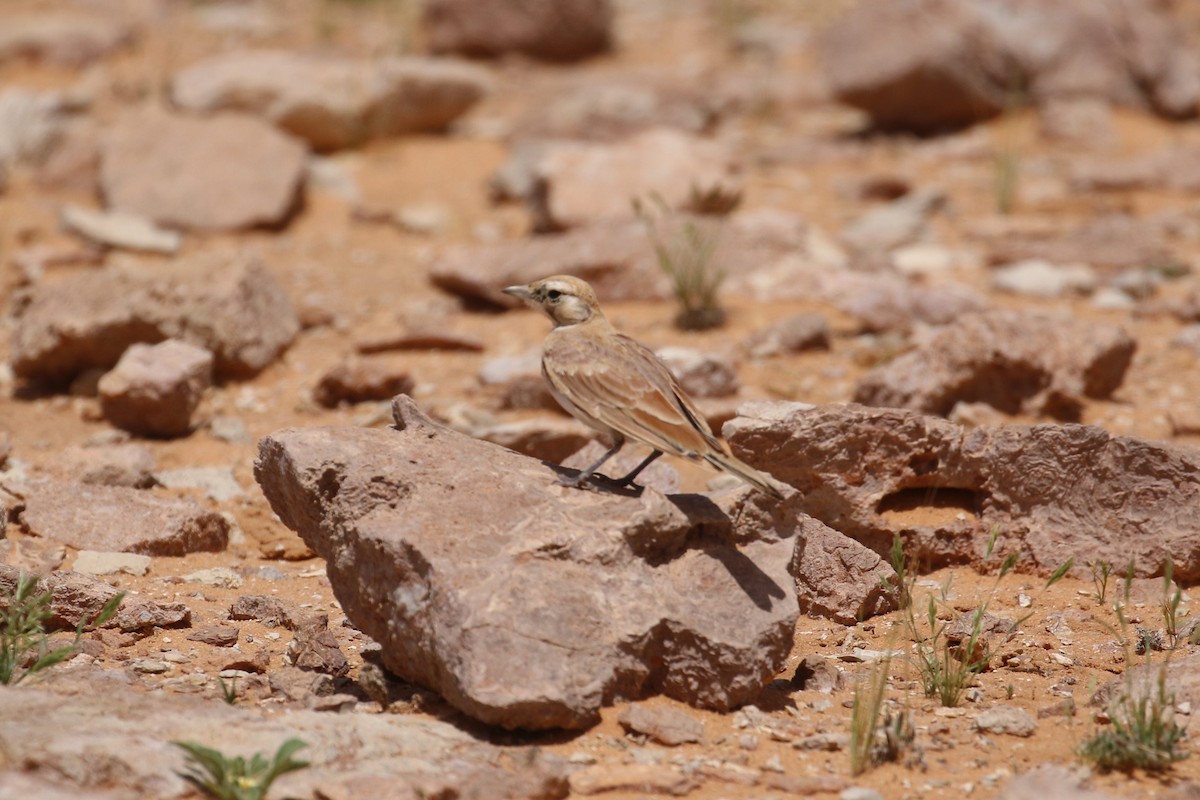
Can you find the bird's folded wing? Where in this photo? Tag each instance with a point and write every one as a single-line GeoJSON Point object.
{"type": "Point", "coordinates": [624, 386]}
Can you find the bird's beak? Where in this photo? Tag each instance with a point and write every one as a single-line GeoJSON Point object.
{"type": "Point", "coordinates": [519, 292]}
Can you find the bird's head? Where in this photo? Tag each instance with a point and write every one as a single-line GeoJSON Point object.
{"type": "Point", "coordinates": [567, 300]}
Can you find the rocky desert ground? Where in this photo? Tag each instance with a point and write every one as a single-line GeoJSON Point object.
{"type": "Point", "coordinates": [260, 382]}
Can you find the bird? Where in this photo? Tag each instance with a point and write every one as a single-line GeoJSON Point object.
{"type": "Point", "coordinates": [619, 387]}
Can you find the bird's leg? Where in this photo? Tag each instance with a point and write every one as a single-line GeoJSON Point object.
{"type": "Point", "coordinates": [587, 473]}
{"type": "Point", "coordinates": [628, 479]}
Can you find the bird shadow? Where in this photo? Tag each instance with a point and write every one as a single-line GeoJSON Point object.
{"type": "Point", "coordinates": [714, 531]}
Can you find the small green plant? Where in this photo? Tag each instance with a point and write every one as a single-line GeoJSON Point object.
{"type": "Point", "coordinates": [24, 648]}
{"type": "Point", "coordinates": [229, 692]}
{"type": "Point", "coordinates": [688, 259]}
{"type": "Point", "coordinates": [902, 588]}
{"type": "Point", "coordinates": [948, 668]}
{"type": "Point", "coordinates": [1170, 604]}
{"type": "Point", "coordinates": [224, 778]}
{"type": "Point", "coordinates": [1143, 732]}
{"type": "Point", "coordinates": [1006, 163]}
{"type": "Point", "coordinates": [869, 695]}
{"type": "Point", "coordinates": [1101, 570]}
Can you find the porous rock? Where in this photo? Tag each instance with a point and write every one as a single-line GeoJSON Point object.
{"type": "Point", "coordinates": [117, 518]}
{"type": "Point", "coordinates": [228, 304]}
{"type": "Point", "coordinates": [226, 172]}
{"type": "Point", "coordinates": [1052, 491]}
{"type": "Point", "coordinates": [1013, 360]}
{"type": "Point", "coordinates": [332, 103]}
{"type": "Point", "coordinates": [524, 603]}
{"type": "Point", "coordinates": [154, 389]}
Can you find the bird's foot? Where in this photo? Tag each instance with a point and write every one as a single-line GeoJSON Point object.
{"type": "Point", "coordinates": [595, 482]}
{"type": "Point", "coordinates": [575, 482]}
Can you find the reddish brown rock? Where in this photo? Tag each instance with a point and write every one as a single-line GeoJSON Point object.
{"type": "Point", "coordinates": [228, 304]}
{"type": "Point", "coordinates": [908, 74]}
{"type": "Point", "coordinates": [110, 465]}
{"type": "Point", "coordinates": [315, 648]}
{"type": "Point", "coordinates": [793, 334]}
{"type": "Point", "coordinates": [227, 171]}
{"type": "Point", "coordinates": [90, 735]}
{"type": "Point", "coordinates": [579, 183]}
{"type": "Point", "coordinates": [140, 615]}
{"type": "Point", "coordinates": [664, 724]}
{"type": "Point", "coordinates": [119, 519]}
{"type": "Point", "coordinates": [270, 611]}
{"type": "Point", "coordinates": [701, 374]}
{"type": "Point", "coordinates": [1016, 361]}
{"type": "Point", "coordinates": [74, 598]}
{"type": "Point", "coordinates": [838, 578]}
{"type": "Point", "coordinates": [1109, 242]}
{"type": "Point", "coordinates": [331, 102]}
{"type": "Point", "coordinates": [1050, 492]}
{"type": "Point", "coordinates": [363, 378]}
{"type": "Point", "coordinates": [889, 303]}
{"type": "Point", "coordinates": [155, 389]}
{"type": "Point", "coordinates": [564, 632]}
{"type": "Point", "coordinates": [63, 38]}
{"type": "Point", "coordinates": [215, 635]}
{"type": "Point", "coordinates": [554, 30]}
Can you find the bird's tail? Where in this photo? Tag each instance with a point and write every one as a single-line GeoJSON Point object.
{"type": "Point", "coordinates": [735, 466]}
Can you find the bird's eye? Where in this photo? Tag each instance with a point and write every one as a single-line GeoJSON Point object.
{"type": "Point", "coordinates": [554, 294]}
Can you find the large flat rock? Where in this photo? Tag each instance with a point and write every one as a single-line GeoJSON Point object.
{"type": "Point", "coordinates": [117, 518]}
{"type": "Point", "coordinates": [527, 604]}
{"type": "Point", "coordinates": [98, 737]}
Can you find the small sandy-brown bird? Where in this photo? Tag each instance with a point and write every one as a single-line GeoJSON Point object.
{"type": "Point", "coordinates": [619, 387]}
